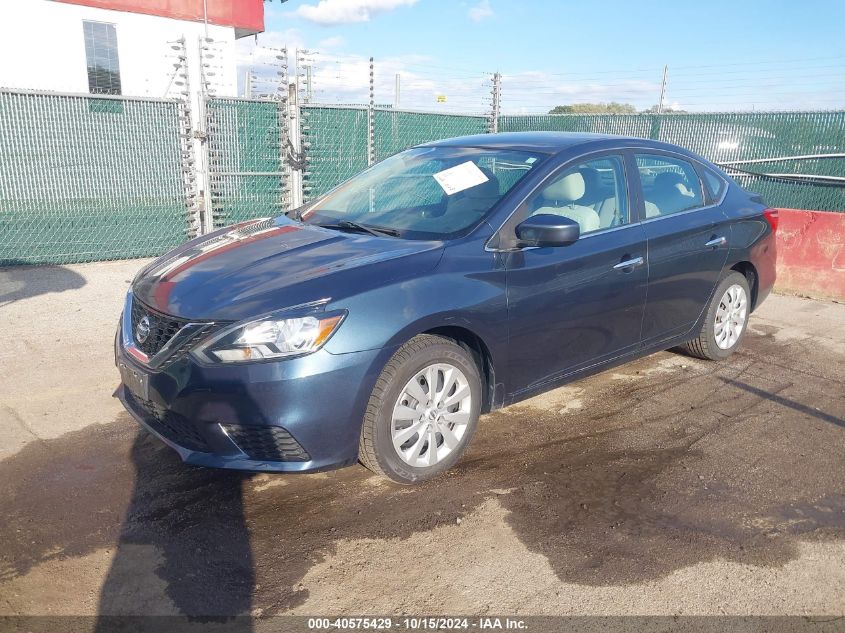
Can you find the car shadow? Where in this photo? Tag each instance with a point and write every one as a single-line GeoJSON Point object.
{"type": "Point", "coordinates": [662, 467]}
{"type": "Point", "coordinates": [19, 281]}
{"type": "Point", "coordinates": [183, 546]}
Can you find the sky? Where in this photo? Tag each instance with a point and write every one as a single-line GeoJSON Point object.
{"type": "Point", "coordinates": [721, 55]}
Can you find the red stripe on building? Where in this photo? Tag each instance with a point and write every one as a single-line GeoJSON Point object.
{"type": "Point", "coordinates": [247, 16]}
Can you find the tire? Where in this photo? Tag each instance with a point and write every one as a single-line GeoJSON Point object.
{"type": "Point", "coordinates": [389, 445]}
{"type": "Point", "coordinates": [713, 343]}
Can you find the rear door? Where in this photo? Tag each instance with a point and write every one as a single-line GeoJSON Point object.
{"type": "Point", "coordinates": [688, 239]}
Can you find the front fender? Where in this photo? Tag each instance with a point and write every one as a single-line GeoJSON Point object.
{"type": "Point", "coordinates": [466, 290]}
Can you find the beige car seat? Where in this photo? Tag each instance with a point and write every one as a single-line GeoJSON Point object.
{"type": "Point", "coordinates": [594, 196]}
{"type": "Point", "coordinates": [670, 194]}
{"type": "Point", "coordinates": [559, 199]}
{"type": "Point", "coordinates": [476, 200]}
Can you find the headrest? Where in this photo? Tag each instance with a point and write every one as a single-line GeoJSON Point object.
{"type": "Point", "coordinates": [568, 189]}
{"type": "Point", "coordinates": [672, 179]}
{"type": "Point", "coordinates": [592, 180]}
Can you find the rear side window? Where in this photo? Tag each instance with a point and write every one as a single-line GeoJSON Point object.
{"type": "Point", "coordinates": [670, 185]}
{"type": "Point", "coordinates": [715, 184]}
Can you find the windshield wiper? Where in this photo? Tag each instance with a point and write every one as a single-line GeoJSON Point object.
{"type": "Point", "coordinates": [363, 228]}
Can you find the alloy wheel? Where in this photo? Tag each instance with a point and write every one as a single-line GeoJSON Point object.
{"type": "Point", "coordinates": [731, 316]}
{"type": "Point", "coordinates": [431, 415]}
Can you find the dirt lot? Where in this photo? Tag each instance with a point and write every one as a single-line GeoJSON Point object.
{"type": "Point", "coordinates": [667, 486]}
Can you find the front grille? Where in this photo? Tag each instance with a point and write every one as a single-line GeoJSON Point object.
{"type": "Point", "coordinates": [270, 443]}
{"type": "Point", "coordinates": [162, 328]}
{"type": "Point", "coordinates": [166, 423]}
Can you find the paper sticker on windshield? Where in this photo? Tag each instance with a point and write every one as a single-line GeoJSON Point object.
{"type": "Point", "coordinates": [460, 177]}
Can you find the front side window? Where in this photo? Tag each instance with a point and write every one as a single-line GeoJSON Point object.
{"type": "Point", "coordinates": [670, 185]}
{"type": "Point", "coordinates": [102, 60]}
{"type": "Point", "coordinates": [592, 193]}
{"type": "Point", "coordinates": [424, 193]}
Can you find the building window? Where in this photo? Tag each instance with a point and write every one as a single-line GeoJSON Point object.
{"type": "Point", "coordinates": [101, 55]}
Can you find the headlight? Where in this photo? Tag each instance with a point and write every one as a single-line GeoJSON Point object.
{"type": "Point", "coordinates": [269, 338]}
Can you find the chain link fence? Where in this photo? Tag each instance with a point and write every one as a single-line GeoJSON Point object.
{"type": "Point", "coordinates": [246, 149]}
{"type": "Point", "coordinates": [334, 140]}
{"type": "Point", "coordinates": [396, 130]}
{"type": "Point", "coordinates": [733, 139]}
{"type": "Point", "coordinates": [86, 178]}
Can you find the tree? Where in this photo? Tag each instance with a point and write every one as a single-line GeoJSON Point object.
{"type": "Point", "coordinates": [594, 108]}
{"type": "Point", "coordinates": [666, 109]}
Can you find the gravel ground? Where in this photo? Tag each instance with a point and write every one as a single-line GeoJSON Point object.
{"type": "Point", "coordinates": [666, 486]}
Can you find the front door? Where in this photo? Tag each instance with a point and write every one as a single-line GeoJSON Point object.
{"type": "Point", "coordinates": [574, 306]}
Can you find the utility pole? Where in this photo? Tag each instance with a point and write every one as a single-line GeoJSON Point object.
{"type": "Point", "coordinates": [663, 89]}
{"type": "Point", "coordinates": [396, 97]}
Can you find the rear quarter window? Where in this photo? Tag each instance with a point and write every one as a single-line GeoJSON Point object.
{"type": "Point", "coordinates": [714, 184]}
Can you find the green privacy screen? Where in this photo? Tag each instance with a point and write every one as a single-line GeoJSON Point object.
{"type": "Point", "coordinates": [86, 179]}
{"type": "Point", "coordinates": [245, 155]}
{"type": "Point", "coordinates": [396, 130]}
{"type": "Point", "coordinates": [733, 138]}
{"type": "Point", "coordinates": [335, 142]}
{"type": "Point", "coordinates": [336, 139]}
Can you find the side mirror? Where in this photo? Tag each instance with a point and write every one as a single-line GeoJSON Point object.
{"type": "Point", "coordinates": [546, 229]}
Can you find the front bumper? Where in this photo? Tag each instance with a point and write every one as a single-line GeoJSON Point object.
{"type": "Point", "coordinates": [296, 415]}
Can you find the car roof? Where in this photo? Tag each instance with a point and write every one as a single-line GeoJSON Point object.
{"type": "Point", "coordinates": [550, 142]}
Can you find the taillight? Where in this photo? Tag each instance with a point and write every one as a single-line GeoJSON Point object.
{"type": "Point", "coordinates": [772, 218]}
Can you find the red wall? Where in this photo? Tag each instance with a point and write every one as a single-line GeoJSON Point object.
{"type": "Point", "coordinates": [247, 15]}
{"type": "Point", "coordinates": [811, 253]}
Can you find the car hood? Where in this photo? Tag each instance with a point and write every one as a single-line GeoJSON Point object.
{"type": "Point", "coordinates": [264, 265]}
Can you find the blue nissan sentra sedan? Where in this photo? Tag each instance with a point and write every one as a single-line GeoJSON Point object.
{"type": "Point", "coordinates": [379, 321]}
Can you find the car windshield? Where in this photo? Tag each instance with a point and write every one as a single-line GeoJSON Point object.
{"type": "Point", "coordinates": [423, 193]}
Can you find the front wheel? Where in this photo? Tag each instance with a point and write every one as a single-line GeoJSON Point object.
{"type": "Point", "coordinates": [422, 412]}
{"type": "Point", "coordinates": [726, 320]}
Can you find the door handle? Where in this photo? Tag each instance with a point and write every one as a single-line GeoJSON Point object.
{"type": "Point", "coordinates": [629, 263]}
{"type": "Point", "coordinates": [716, 242]}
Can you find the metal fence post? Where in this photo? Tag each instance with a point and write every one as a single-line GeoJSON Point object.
{"type": "Point", "coordinates": [371, 123]}
{"type": "Point", "coordinates": [189, 164]}
{"type": "Point", "coordinates": [282, 95]}
{"type": "Point", "coordinates": [294, 117]}
{"type": "Point", "coordinates": [495, 103]}
{"type": "Point", "coordinates": [201, 144]}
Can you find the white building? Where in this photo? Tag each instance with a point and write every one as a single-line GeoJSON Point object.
{"type": "Point", "coordinates": [123, 47]}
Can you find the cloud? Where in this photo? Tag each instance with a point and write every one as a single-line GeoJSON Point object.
{"type": "Point", "coordinates": [342, 77]}
{"type": "Point", "coordinates": [536, 91]}
{"type": "Point", "coordinates": [348, 11]}
{"type": "Point", "coordinates": [481, 11]}
{"type": "Point", "coordinates": [248, 53]}
{"type": "Point", "coordinates": [331, 42]}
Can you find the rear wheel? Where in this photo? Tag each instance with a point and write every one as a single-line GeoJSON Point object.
{"type": "Point", "coordinates": [726, 320]}
{"type": "Point", "coordinates": [422, 412]}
